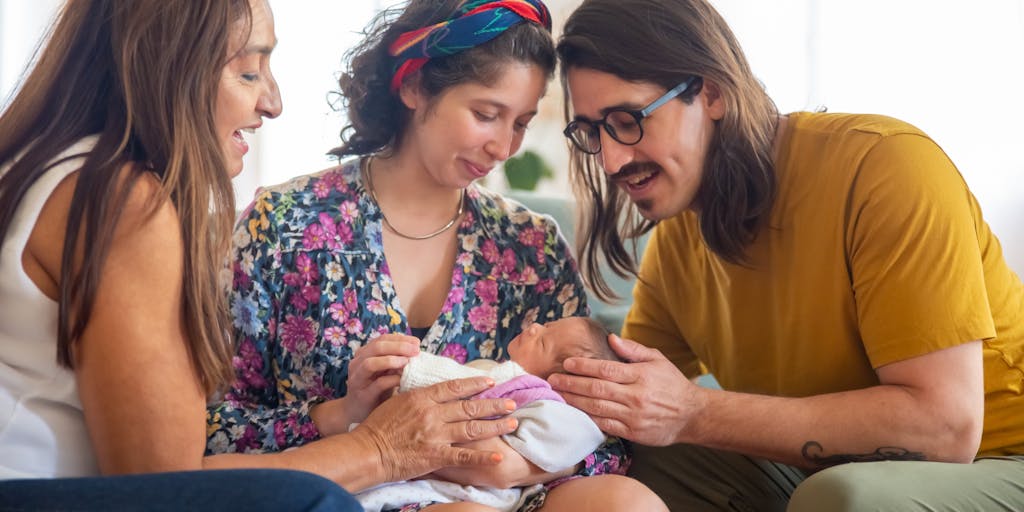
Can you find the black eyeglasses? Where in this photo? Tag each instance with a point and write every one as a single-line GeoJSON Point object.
{"type": "Point", "coordinates": [622, 124]}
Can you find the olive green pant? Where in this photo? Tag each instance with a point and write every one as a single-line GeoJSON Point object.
{"type": "Point", "coordinates": [694, 479]}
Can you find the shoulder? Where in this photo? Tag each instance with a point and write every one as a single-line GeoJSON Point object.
{"type": "Point", "coordinates": [809, 124]}
{"type": "Point", "coordinates": [332, 198]}
{"type": "Point", "coordinates": [507, 229]}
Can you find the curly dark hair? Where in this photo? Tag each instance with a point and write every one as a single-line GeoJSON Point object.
{"type": "Point", "coordinates": [377, 118]}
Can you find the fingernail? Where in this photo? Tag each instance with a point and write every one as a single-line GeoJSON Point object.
{"type": "Point", "coordinates": [510, 405]}
{"type": "Point", "coordinates": [496, 457]}
{"type": "Point", "coordinates": [511, 423]}
{"type": "Point", "coordinates": [490, 382]}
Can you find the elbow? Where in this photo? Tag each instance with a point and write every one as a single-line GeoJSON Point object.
{"type": "Point", "coordinates": [961, 438]}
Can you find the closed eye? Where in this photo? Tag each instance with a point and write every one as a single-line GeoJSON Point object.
{"type": "Point", "coordinates": [484, 117]}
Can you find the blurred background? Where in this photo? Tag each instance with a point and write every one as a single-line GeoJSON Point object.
{"type": "Point", "coordinates": [953, 68]}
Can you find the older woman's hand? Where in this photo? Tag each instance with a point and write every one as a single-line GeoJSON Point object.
{"type": "Point", "coordinates": [415, 432]}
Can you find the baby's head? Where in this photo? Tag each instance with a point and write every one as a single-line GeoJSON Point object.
{"type": "Point", "coordinates": [541, 349]}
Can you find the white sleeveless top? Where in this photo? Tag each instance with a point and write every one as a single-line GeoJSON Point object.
{"type": "Point", "coordinates": [42, 430]}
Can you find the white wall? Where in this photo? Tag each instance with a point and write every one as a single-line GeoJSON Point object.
{"type": "Point", "coordinates": [953, 68]}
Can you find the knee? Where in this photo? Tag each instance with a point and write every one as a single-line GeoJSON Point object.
{"type": "Point", "coordinates": [617, 492]}
{"type": "Point", "coordinates": [848, 487]}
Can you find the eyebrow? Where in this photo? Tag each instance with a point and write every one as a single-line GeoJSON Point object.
{"type": "Point", "coordinates": [604, 111]}
{"type": "Point", "coordinates": [501, 106]}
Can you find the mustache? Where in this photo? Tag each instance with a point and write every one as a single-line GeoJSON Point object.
{"type": "Point", "coordinates": [632, 168]}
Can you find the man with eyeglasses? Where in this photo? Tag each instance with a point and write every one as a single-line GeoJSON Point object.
{"type": "Point", "coordinates": [833, 271]}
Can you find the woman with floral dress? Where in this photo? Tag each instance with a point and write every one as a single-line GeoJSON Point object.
{"type": "Point", "coordinates": [341, 276]}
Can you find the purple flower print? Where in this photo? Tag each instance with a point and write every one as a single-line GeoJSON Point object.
{"type": "Point", "coordinates": [455, 351]}
{"type": "Point", "coordinates": [313, 237]}
{"type": "Point", "coordinates": [247, 441]}
{"type": "Point", "coordinates": [484, 317]}
{"type": "Point", "coordinates": [298, 334]}
{"type": "Point", "coordinates": [249, 366]}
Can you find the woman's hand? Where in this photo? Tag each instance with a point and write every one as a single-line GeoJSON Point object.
{"type": "Point", "coordinates": [373, 374]}
{"type": "Point", "coordinates": [416, 432]}
{"type": "Point", "coordinates": [646, 400]}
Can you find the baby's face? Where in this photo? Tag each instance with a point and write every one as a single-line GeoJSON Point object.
{"type": "Point", "coordinates": [536, 349]}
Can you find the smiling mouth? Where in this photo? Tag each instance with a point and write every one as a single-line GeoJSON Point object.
{"type": "Point", "coordinates": [636, 176]}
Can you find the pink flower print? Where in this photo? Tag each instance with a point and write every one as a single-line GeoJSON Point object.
{"type": "Point", "coordinates": [313, 237]}
{"type": "Point", "coordinates": [455, 296]}
{"type": "Point", "coordinates": [306, 268]}
{"type": "Point", "coordinates": [455, 351]}
{"type": "Point", "coordinates": [376, 307]}
{"type": "Point", "coordinates": [293, 279]}
{"type": "Point", "coordinates": [308, 431]}
{"type": "Point", "coordinates": [490, 251]}
{"type": "Point", "coordinates": [335, 336]}
{"type": "Point", "coordinates": [353, 325]}
{"type": "Point", "coordinates": [507, 265]}
{"type": "Point", "coordinates": [529, 275]}
{"type": "Point", "coordinates": [311, 293]}
{"type": "Point", "coordinates": [532, 237]}
{"type": "Point", "coordinates": [545, 285]}
{"type": "Point", "coordinates": [350, 300]}
{"type": "Point", "coordinates": [322, 188]}
{"type": "Point", "coordinates": [298, 334]}
{"type": "Point", "coordinates": [487, 290]}
{"type": "Point", "coordinates": [330, 231]}
{"type": "Point", "coordinates": [344, 234]}
{"type": "Point", "coordinates": [296, 301]}
{"type": "Point", "coordinates": [349, 211]}
{"type": "Point", "coordinates": [483, 318]}
{"type": "Point", "coordinates": [468, 220]}
{"type": "Point", "coordinates": [338, 312]}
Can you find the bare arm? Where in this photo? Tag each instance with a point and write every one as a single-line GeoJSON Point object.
{"type": "Point", "coordinates": [925, 408]}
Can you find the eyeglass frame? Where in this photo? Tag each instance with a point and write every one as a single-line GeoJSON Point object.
{"type": "Point", "coordinates": [637, 114]}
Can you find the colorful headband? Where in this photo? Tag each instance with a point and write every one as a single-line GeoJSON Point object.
{"type": "Point", "coordinates": [477, 22]}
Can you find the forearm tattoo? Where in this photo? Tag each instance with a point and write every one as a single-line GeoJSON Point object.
{"type": "Point", "coordinates": [812, 451]}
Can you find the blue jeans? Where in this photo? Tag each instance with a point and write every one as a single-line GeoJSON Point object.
{"type": "Point", "coordinates": [235, 489]}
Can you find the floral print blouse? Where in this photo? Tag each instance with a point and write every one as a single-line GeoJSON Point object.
{"type": "Point", "coordinates": [311, 285]}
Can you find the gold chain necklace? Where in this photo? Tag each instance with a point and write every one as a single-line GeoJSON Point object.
{"type": "Point", "coordinates": [373, 194]}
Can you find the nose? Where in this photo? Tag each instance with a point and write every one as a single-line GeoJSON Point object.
{"type": "Point", "coordinates": [614, 155]}
{"type": "Point", "coordinates": [504, 143]}
{"type": "Point", "coordinates": [269, 103]}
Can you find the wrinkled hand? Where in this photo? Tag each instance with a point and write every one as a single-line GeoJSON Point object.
{"type": "Point", "coordinates": [646, 400]}
{"type": "Point", "coordinates": [374, 372]}
{"type": "Point", "coordinates": [415, 432]}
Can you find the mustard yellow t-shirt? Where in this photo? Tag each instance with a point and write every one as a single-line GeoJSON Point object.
{"type": "Point", "coordinates": [875, 252]}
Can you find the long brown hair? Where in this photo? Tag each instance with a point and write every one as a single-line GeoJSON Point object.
{"type": "Point", "coordinates": [665, 42]}
{"type": "Point", "coordinates": [143, 75]}
{"type": "Point", "coordinates": [377, 117]}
